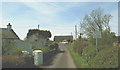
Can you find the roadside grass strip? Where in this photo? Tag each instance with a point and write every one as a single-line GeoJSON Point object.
{"type": "Point", "coordinates": [78, 60]}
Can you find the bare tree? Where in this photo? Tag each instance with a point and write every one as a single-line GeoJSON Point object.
{"type": "Point", "coordinates": [97, 20]}
{"type": "Point", "coordinates": [106, 20]}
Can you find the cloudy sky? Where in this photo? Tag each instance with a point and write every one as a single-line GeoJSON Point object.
{"type": "Point", "coordinates": [58, 17]}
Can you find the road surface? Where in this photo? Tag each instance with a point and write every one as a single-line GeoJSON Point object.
{"type": "Point", "coordinates": [62, 60]}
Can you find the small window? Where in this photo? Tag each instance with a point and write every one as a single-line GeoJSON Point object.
{"type": "Point", "coordinates": [36, 40]}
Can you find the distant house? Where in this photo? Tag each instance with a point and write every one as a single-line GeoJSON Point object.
{"type": "Point", "coordinates": [61, 38]}
{"type": "Point", "coordinates": [38, 37]}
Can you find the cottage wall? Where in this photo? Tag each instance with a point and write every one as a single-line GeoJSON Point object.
{"type": "Point", "coordinates": [37, 41]}
{"type": "Point", "coordinates": [19, 44]}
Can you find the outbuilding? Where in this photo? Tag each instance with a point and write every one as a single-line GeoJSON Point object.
{"type": "Point", "coordinates": [69, 38]}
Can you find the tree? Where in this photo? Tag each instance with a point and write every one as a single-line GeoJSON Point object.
{"type": "Point", "coordinates": [106, 20]}
{"type": "Point", "coordinates": [97, 20]}
{"type": "Point", "coordinates": [18, 51]}
{"type": "Point", "coordinates": [6, 47]}
{"type": "Point", "coordinates": [107, 38]}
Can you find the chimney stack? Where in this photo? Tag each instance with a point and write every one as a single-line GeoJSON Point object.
{"type": "Point", "coordinates": [9, 26]}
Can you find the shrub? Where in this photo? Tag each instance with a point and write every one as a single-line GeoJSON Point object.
{"type": "Point", "coordinates": [54, 45]}
{"type": "Point", "coordinates": [79, 46]}
{"type": "Point", "coordinates": [6, 46]}
{"type": "Point", "coordinates": [115, 44]}
{"type": "Point", "coordinates": [43, 48]}
{"type": "Point", "coordinates": [22, 61]}
{"type": "Point", "coordinates": [11, 61]}
{"type": "Point", "coordinates": [18, 51]}
{"type": "Point", "coordinates": [106, 58]}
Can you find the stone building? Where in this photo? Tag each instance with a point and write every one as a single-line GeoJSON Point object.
{"type": "Point", "coordinates": [69, 38]}
{"type": "Point", "coordinates": [38, 37]}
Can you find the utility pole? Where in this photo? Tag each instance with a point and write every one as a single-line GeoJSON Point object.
{"type": "Point", "coordinates": [75, 32]}
{"type": "Point", "coordinates": [38, 26]}
{"type": "Point", "coordinates": [81, 31]}
{"type": "Point", "coordinates": [71, 33]}
{"type": "Point", "coordinates": [81, 27]}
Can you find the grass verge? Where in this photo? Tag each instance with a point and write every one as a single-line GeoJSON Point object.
{"type": "Point", "coordinates": [78, 60]}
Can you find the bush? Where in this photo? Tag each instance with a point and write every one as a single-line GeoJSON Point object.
{"type": "Point", "coordinates": [102, 56]}
{"type": "Point", "coordinates": [6, 46]}
{"type": "Point", "coordinates": [79, 46]}
{"type": "Point", "coordinates": [18, 51]}
{"type": "Point", "coordinates": [23, 61]}
{"type": "Point", "coordinates": [54, 45]}
{"type": "Point", "coordinates": [11, 61]}
{"type": "Point", "coordinates": [43, 48]}
{"type": "Point", "coordinates": [105, 58]}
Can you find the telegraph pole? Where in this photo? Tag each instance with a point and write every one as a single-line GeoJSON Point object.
{"type": "Point", "coordinates": [75, 31]}
{"type": "Point", "coordinates": [71, 33]}
{"type": "Point", "coordinates": [38, 26]}
{"type": "Point", "coordinates": [81, 31]}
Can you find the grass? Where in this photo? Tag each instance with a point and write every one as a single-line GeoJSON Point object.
{"type": "Point", "coordinates": [78, 60]}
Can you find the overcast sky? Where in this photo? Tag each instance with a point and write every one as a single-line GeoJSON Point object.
{"type": "Point", "coordinates": [58, 17]}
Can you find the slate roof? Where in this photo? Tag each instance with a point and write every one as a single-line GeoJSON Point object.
{"type": "Point", "coordinates": [8, 34]}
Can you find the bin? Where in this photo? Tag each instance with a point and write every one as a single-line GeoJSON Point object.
{"type": "Point", "coordinates": [38, 57]}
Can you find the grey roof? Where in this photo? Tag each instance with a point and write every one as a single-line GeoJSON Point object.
{"type": "Point", "coordinates": [8, 34]}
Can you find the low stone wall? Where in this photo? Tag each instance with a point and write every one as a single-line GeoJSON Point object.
{"type": "Point", "coordinates": [47, 57]}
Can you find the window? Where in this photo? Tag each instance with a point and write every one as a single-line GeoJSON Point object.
{"type": "Point", "coordinates": [35, 40]}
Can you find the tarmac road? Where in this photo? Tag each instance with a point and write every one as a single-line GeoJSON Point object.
{"type": "Point", "coordinates": [63, 59]}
